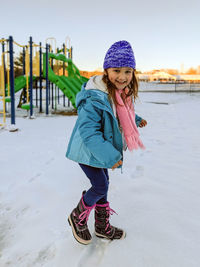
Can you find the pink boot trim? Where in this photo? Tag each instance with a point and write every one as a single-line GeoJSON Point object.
{"type": "Point", "coordinates": [107, 206]}
{"type": "Point", "coordinates": [109, 212]}
{"type": "Point", "coordinates": [103, 205]}
{"type": "Point", "coordinates": [85, 214]}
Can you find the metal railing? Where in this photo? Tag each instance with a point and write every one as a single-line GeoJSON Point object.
{"type": "Point", "coordinates": [168, 87]}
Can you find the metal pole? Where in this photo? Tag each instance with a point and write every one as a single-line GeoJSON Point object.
{"type": "Point", "coordinates": [31, 78]}
{"type": "Point", "coordinates": [36, 88]}
{"type": "Point", "coordinates": [52, 94]}
{"type": "Point", "coordinates": [4, 70]}
{"type": "Point", "coordinates": [71, 53]}
{"type": "Point", "coordinates": [47, 81]}
{"type": "Point", "coordinates": [40, 77]}
{"type": "Point", "coordinates": [24, 72]}
{"type": "Point", "coordinates": [58, 74]}
{"type": "Point", "coordinates": [64, 62]}
{"type": "Point", "coordinates": [12, 89]}
{"type": "Point", "coordinates": [64, 100]}
{"type": "Point", "coordinates": [24, 61]}
{"type": "Point", "coordinates": [64, 74]}
{"type": "Point", "coordinates": [49, 93]}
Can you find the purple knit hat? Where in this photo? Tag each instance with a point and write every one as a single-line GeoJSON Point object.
{"type": "Point", "coordinates": [120, 54]}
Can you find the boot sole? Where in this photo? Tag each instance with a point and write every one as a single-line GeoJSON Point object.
{"type": "Point", "coordinates": [80, 240]}
{"type": "Point", "coordinates": [104, 236]}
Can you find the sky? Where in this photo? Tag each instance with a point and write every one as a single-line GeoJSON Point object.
{"type": "Point", "coordinates": [163, 34]}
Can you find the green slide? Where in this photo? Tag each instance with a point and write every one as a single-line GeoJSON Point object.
{"type": "Point", "coordinates": [69, 85]}
{"type": "Point", "coordinates": [19, 83]}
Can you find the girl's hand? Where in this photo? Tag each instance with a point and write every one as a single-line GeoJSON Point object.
{"type": "Point", "coordinates": [143, 123]}
{"type": "Point", "coordinates": [117, 164]}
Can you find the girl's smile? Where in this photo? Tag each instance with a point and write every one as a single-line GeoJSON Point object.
{"type": "Point", "coordinates": [120, 77]}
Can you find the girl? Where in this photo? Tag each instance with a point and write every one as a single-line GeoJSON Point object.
{"type": "Point", "coordinates": [105, 126]}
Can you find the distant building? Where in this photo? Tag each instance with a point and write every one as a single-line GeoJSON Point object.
{"type": "Point", "coordinates": [159, 76]}
{"type": "Point", "coordinates": [164, 77]}
{"type": "Point", "coordinates": [143, 77]}
{"type": "Point", "coordinates": [188, 78]}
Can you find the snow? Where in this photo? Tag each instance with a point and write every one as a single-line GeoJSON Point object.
{"type": "Point", "coordinates": [156, 197]}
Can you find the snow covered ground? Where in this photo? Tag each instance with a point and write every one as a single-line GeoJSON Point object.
{"type": "Point", "coordinates": [157, 196]}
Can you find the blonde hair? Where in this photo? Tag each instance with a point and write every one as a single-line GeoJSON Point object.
{"type": "Point", "coordinates": [133, 88]}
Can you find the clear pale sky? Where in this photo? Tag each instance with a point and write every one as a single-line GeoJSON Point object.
{"type": "Point", "coordinates": [163, 34]}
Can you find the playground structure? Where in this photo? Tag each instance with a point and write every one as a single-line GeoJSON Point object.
{"type": "Point", "coordinates": [53, 68]}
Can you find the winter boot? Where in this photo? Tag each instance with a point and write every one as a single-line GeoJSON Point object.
{"type": "Point", "coordinates": [103, 228]}
{"type": "Point", "coordinates": [78, 221]}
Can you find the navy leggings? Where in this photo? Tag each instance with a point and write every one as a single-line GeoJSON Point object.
{"type": "Point", "coordinates": [99, 180]}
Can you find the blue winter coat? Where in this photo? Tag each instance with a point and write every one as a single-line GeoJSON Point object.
{"type": "Point", "coordinates": [96, 139]}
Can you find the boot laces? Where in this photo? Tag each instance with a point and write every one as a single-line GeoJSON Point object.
{"type": "Point", "coordinates": [83, 217]}
{"type": "Point", "coordinates": [109, 212]}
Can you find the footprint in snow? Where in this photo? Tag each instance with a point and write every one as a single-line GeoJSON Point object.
{"type": "Point", "coordinates": [139, 172]}
{"type": "Point", "coordinates": [34, 177]}
{"type": "Point", "coordinates": [94, 253]}
{"type": "Point", "coordinates": [49, 161]}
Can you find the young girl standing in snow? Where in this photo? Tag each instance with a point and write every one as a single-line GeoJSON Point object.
{"type": "Point", "coordinates": [106, 126]}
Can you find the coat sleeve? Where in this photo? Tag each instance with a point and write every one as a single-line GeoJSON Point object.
{"type": "Point", "coordinates": [137, 120]}
{"type": "Point", "coordinates": [90, 127]}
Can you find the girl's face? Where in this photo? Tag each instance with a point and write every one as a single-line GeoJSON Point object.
{"type": "Point", "coordinates": [120, 77]}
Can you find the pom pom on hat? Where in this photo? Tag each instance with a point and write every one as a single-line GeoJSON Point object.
{"type": "Point", "coordinates": [120, 54]}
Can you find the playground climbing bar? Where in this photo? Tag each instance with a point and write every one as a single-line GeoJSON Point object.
{"type": "Point", "coordinates": [31, 77]}
{"type": "Point", "coordinates": [12, 89]}
{"type": "Point", "coordinates": [40, 77]}
{"type": "Point", "coordinates": [47, 81]}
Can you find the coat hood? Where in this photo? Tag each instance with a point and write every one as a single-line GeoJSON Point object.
{"type": "Point", "coordinates": [96, 82]}
{"type": "Point", "coordinates": [95, 89]}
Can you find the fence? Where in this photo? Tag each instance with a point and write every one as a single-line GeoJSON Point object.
{"type": "Point", "coordinates": [168, 87]}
